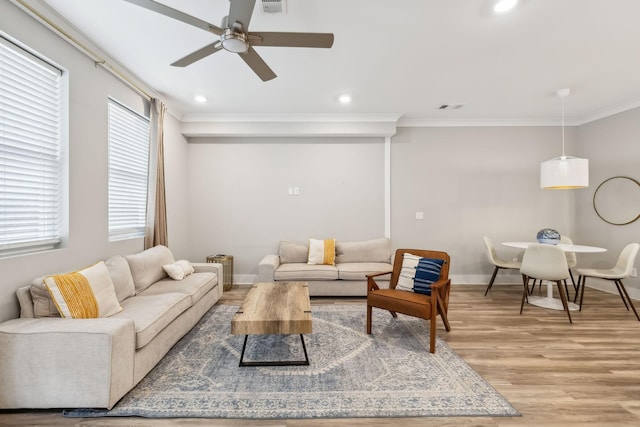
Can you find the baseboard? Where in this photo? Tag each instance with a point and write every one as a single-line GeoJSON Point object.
{"type": "Point", "coordinates": [245, 279]}
{"type": "Point", "coordinates": [609, 287]}
{"type": "Point", "coordinates": [483, 280]}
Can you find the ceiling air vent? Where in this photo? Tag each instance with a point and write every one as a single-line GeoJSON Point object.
{"type": "Point", "coordinates": [273, 6]}
{"type": "Point", "coordinates": [450, 107]}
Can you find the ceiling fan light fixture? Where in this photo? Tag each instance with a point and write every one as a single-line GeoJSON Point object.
{"type": "Point", "coordinates": [234, 42]}
{"type": "Point", "coordinates": [502, 6]}
{"type": "Point", "coordinates": [345, 98]}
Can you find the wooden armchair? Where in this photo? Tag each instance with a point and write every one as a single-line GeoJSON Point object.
{"type": "Point", "coordinates": [411, 303]}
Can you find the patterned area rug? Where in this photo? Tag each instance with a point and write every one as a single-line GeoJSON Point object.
{"type": "Point", "coordinates": [388, 374]}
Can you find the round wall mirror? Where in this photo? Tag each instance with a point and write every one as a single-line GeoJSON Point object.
{"type": "Point", "coordinates": [617, 200]}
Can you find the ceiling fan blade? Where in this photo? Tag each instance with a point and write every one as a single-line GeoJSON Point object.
{"type": "Point", "coordinates": [209, 49]}
{"type": "Point", "coordinates": [241, 11]}
{"type": "Point", "coordinates": [324, 40]}
{"type": "Point", "coordinates": [176, 14]}
{"type": "Point", "coordinates": [257, 64]}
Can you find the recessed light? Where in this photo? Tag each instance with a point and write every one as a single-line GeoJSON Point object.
{"type": "Point", "coordinates": [502, 6]}
{"type": "Point", "coordinates": [200, 98]}
{"type": "Point", "coordinates": [344, 99]}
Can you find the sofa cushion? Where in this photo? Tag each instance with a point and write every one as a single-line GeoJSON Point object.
{"type": "Point", "coordinates": [359, 270]}
{"type": "Point", "coordinates": [376, 250]}
{"type": "Point", "coordinates": [26, 302]}
{"type": "Point", "coordinates": [88, 293]}
{"type": "Point", "coordinates": [146, 266]}
{"type": "Point", "coordinates": [43, 305]}
{"type": "Point", "coordinates": [195, 285]}
{"type": "Point", "coordinates": [292, 252]}
{"type": "Point", "coordinates": [304, 271]}
{"type": "Point", "coordinates": [121, 277]}
{"type": "Point", "coordinates": [152, 313]}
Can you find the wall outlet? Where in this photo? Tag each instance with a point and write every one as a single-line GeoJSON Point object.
{"type": "Point", "coordinates": [419, 215]}
{"type": "Point", "coordinates": [634, 272]}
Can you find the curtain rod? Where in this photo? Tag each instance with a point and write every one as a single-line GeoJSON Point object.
{"type": "Point", "coordinates": [97, 59]}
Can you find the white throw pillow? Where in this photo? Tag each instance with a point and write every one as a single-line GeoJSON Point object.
{"type": "Point", "coordinates": [179, 269]}
{"type": "Point", "coordinates": [88, 293]}
{"type": "Point", "coordinates": [408, 272]}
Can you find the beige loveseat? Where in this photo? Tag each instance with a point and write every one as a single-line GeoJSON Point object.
{"type": "Point", "coordinates": [353, 261]}
{"type": "Point", "coordinates": [51, 362]}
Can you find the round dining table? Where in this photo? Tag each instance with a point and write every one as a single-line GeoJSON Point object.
{"type": "Point", "coordinates": [549, 301]}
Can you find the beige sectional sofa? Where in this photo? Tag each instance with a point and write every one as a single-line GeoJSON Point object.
{"type": "Point", "coordinates": [51, 362]}
{"type": "Point", "coordinates": [353, 261]}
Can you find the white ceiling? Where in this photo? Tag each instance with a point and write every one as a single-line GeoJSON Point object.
{"type": "Point", "coordinates": [399, 57]}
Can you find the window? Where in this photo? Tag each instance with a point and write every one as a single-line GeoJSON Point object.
{"type": "Point", "coordinates": [128, 171]}
{"type": "Point", "coordinates": [32, 168]}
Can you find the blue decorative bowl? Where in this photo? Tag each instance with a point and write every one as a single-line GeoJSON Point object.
{"type": "Point", "coordinates": [548, 236]}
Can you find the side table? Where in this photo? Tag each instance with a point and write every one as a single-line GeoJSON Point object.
{"type": "Point", "coordinates": [227, 267]}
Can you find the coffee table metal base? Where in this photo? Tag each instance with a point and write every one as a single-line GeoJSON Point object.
{"type": "Point", "coordinates": [304, 362]}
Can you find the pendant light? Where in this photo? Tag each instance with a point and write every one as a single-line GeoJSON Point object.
{"type": "Point", "coordinates": [564, 172]}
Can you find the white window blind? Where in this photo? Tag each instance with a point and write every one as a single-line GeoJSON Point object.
{"type": "Point", "coordinates": [128, 171]}
{"type": "Point", "coordinates": [31, 164]}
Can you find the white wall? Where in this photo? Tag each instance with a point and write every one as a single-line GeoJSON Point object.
{"type": "Point", "coordinates": [239, 202]}
{"type": "Point", "coordinates": [612, 146]}
{"type": "Point", "coordinates": [470, 182]}
{"type": "Point", "coordinates": [88, 170]}
{"type": "Point", "coordinates": [177, 187]}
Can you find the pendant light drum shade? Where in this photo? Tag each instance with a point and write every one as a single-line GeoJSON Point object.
{"type": "Point", "coordinates": [564, 173]}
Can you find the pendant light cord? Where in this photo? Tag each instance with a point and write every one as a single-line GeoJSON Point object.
{"type": "Point", "coordinates": [563, 126]}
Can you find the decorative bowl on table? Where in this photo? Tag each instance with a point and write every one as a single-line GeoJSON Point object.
{"type": "Point", "coordinates": [548, 236]}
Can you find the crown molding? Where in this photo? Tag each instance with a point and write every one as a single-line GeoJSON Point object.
{"type": "Point", "coordinates": [604, 113]}
{"type": "Point", "coordinates": [424, 122]}
{"type": "Point", "coordinates": [287, 125]}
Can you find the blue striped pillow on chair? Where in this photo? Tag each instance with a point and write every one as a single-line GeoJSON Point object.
{"type": "Point", "coordinates": [427, 272]}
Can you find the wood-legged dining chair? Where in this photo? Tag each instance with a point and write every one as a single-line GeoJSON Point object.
{"type": "Point", "coordinates": [572, 261]}
{"type": "Point", "coordinates": [498, 262]}
{"type": "Point", "coordinates": [545, 262]}
{"type": "Point", "coordinates": [420, 305]}
{"type": "Point", "coordinates": [622, 270]}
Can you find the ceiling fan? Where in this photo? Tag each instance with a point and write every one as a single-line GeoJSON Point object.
{"type": "Point", "coordinates": [235, 36]}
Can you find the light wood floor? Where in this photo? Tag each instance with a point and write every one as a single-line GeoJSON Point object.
{"type": "Point", "coordinates": [554, 373]}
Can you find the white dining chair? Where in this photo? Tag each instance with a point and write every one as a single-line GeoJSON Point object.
{"type": "Point", "coordinates": [545, 262]}
{"type": "Point", "coordinates": [572, 261]}
{"type": "Point", "coordinates": [622, 270]}
{"type": "Point", "coordinates": [498, 262]}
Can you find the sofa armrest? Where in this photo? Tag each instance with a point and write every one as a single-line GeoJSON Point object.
{"type": "Point", "coordinates": [62, 363]}
{"type": "Point", "coordinates": [267, 268]}
{"type": "Point", "coordinates": [209, 267]}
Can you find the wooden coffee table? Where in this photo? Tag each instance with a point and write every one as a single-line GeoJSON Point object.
{"type": "Point", "coordinates": [274, 308]}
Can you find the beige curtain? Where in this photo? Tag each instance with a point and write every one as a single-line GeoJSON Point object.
{"type": "Point", "coordinates": [156, 230]}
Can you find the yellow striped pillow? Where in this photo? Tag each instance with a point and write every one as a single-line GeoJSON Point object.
{"type": "Point", "coordinates": [322, 251]}
{"type": "Point", "coordinates": [84, 294]}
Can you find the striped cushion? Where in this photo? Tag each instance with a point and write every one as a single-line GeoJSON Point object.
{"type": "Point", "coordinates": [322, 252]}
{"type": "Point", "coordinates": [427, 272]}
{"type": "Point", "coordinates": [84, 294]}
{"type": "Point", "coordinates": [418, 273]}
